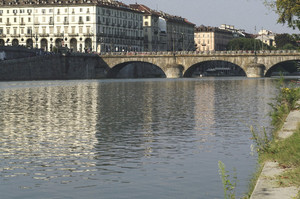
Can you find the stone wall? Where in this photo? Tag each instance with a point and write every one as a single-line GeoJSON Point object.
{"type": "Point", "coordinates": [16, 52]}
{"type": "Point", "coordinates": [53, 67]}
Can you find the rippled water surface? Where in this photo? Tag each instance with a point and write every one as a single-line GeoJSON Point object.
{"type": "Point", "coordinates": [128, 138]}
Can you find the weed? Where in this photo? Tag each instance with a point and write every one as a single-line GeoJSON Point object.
{"type": "Point", "coordinates": [228, 185]}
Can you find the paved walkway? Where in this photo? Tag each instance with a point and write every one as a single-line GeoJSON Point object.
{"type": "Point", "coordinates": [267, 186]}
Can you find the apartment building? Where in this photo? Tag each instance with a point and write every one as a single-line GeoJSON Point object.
{"type": "Point", "coordinates": [165, 32]}
{"type": "Point", "coordinates": [212, 38]}
{"type": "Point", "coordinates": [81, 25]}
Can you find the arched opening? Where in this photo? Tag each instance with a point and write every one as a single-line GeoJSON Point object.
{"type": "Point", "coordinates": [58, 43]}
{"type": "Point", "coordinates": [213, 69]}
{"type": "Point", "coordinates": [88, 45]}
{"type": "Point", "coordinates": [15, 42]}
{"type": "Point", "coordinates": [44, 44]}
{"type": "Point", "coordinates": [73, 45]}
{"type": "Point", "coordinates": [29, 43]}
{"type": "Point", "coordinates": [286, 68]}
{"type": "Point", "coordinates": [2, 42]}
{"type": "Point", "coordinates": [136, 70]}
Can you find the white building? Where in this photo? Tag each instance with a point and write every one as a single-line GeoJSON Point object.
{"type": "Point", "coordinates": [90, 25]}
{"type": "Point", "coordinates": [267, 37]}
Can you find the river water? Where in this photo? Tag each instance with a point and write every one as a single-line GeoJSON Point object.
{"type": "Point", "coordinates": [124, 139]}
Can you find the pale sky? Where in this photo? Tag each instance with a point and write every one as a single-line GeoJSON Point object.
{"type": "Point", "coordinates": [243, 14]}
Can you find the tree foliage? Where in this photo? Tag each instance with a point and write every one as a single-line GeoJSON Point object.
{"type": "Point", "coordinates": [246, 44]}
{"type": "Point", "coordinates": [288, 11]}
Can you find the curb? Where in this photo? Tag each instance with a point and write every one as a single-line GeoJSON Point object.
{"type": "Point", "coordinates": [267, 186]}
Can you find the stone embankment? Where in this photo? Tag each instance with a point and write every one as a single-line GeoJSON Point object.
{"type": "Point", "coordinates": [267, 185]}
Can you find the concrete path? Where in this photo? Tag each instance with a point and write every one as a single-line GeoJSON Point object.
{"type": "Point", "coordinates": [267, 186]}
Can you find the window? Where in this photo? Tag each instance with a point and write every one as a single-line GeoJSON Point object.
{"type": "Point", "coordinates": [7, 31]}
{"type": "Point", "coordinates": [0, 20]}
{"type": "Point", "coordinates": [15, 19]}
{"type": "Point", "coordinates": [15, 30]}
{"type": "Point", "coordinates": [50, 10]}
{"type": "Point", "coordinates": [87, 18]}
{"type": "Point", "coordinates": [1, 31]}
{"type": "Point", "coordinates": [66, 10]}
{"type": "Point", "coordinates": [80, 10]}
{"type": "Point", "coordinates": [1, 12]}
{"type": "Point", "coordinates": [29, 30]}
{"type": "Point", "coordinates": [7, 11]}
{"type": "Point", "coordinates": [29, 19]}
{"type": "Point", "coordinates": [43, 11]}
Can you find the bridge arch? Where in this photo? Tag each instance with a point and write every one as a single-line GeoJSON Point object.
{"type": "Point", "coordinates": [287, 65]}
{"type": "Point", "coordinates": [136, 69]}
{"type": "Point", "coordinates": [214, 68]}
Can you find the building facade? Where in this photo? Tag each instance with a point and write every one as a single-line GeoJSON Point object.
{"type": "Point", "coordinates": [212, 38]}
{"type": "Point", "coordinates": [85, 25]}
{"type": "Point", "coordinates": [267, 37]}
{"type": "Point", "coordinates": [165, 32]}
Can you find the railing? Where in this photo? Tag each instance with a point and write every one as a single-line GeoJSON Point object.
{"type": "Point", "coordinates": [220, 53]}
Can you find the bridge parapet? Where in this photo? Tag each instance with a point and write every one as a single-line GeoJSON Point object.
{"type": "Point", "coordinates": [159, 53]}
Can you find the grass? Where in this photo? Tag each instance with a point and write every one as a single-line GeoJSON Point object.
{"type": "Point", "coordinates": [286, 152]}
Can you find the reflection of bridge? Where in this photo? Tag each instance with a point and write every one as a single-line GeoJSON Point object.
{"type": "Point", "coordinates": [175, 65]}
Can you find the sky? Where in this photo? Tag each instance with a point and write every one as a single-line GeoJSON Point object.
{"type": "Point", "coordinates": [243, 14]}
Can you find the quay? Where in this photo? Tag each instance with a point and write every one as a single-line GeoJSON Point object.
{"type": "Point", "coordinates": [267, 185]}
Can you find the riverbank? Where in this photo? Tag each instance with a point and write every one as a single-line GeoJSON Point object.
{"type": "Point", "coordinates": [280, 174]}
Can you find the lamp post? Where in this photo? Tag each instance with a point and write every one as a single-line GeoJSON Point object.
{"type": "Point", "coordinates": [36, 39]}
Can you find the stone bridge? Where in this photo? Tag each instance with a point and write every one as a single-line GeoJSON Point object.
{"type": "Point", "coordinates": [175, 65]}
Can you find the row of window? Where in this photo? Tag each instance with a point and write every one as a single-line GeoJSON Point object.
{"type": "Point", "coordinates": [71, 30]}
{"type": "Point", "coordinates": [120, 14]}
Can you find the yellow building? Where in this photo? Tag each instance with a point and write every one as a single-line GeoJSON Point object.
{"type": "Point", "coordinates": [212, 38]}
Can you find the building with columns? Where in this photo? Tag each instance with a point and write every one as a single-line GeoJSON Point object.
{"type": "Point", "coordinates": [81, 25]}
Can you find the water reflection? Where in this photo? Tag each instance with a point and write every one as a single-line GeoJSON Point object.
{"type": "Point", "coordinates": [127, 139]}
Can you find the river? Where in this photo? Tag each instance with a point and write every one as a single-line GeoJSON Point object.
{"type": "Point", "coordinates": [125, 139]}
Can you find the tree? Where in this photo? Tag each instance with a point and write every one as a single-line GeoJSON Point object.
{"type": "Point", "coordinates": [285, 41]}
{"type": "Point", "coordinates": [246, 44]}
{"type": "Point", "coordinates": [288, 11]}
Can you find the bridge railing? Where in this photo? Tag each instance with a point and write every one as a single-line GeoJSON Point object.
{"type": "Point", "coordinates": [199, 53]}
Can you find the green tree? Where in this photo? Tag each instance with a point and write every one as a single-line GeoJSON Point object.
{"type": "Point", "coordinates": [246, 44]}
{"type": "Point", "coordinates": [288, 11]}
{"type": "Point", "coordinates": [282, 40]}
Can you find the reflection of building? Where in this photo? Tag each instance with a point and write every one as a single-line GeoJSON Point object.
{"type": "Point", "coordinates": [211, 38]}
{"type": "Point", "coordinates": [97, 25]}
{"type": "Point", "coordinates": [165, 32]}
{"type": "Point", "coordinates": [267, 37]}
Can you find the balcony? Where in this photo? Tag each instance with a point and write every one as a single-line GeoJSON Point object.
{"type": "Point", "coordinates": [2, 35]}
{"type": "Point", "coordinates": [28, 35]}
{"type": "Point", "coordinates": [44, 35]}
{"type": "Point", "coordinates": [15, 35]}
{"type": "Point", "coordinates": [22, 24]}
{"type": "Point", "coordinates": [80, 22]}
{"type": "Point", "coordinates": [88, 34]}
{"type": "Point", "coordinates": [66, 23]}
{"type": "Point", "coordinates": [51, 22]}
{"type": "Point", "coordinates": [36, 23]}
{"type": "Point", "coordinates": [59, 35]}
{"type": "Point", "coordinates": [73, 35]}
{"type": "Point", "coordinates": [8, 23]}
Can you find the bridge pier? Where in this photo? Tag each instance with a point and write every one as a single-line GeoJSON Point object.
{"type": "Point", "coordinates": [255, 70]}
{"type": "Point", "coordinates": [174, 71]}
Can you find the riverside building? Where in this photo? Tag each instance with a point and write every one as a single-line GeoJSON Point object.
{"type": "Point", "coordinates": [165, 32]}
{"type": "Point", "coordinates": [81, 25]}
{"type": "Point", "coordinates": [212, 38]}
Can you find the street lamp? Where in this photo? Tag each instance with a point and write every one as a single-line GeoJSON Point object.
{"type": "Point", "coordinates": [36, 39]}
